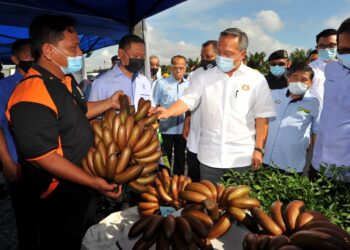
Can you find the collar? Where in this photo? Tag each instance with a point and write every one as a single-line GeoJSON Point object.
{"type": "Point", "coordinates": [45, 73]}
{"type": "Point", "coordinates": [117, 72]}
{"type": "Point", "coordinates": [172, 79]}
{"type": "Point", "coordinates": [294, 100]}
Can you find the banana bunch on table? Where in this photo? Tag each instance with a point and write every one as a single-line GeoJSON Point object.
{"type": "Point", "coordinates": [293, 228]}
{"type": "Point", "coordinates": [126, 146]}
{"type": "Point", "coordinates": [211, 204]}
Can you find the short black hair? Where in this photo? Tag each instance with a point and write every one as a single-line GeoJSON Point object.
{"type": "Point", "coordinates": [115, 58]}
{"type": "Point", "coordinates": [214, 43]}
{"type": "Point", "coordinates": [311, 52]}
{"type": "Point", "coordinates": [17, 46]}
{"type": "Point", "coordinates": [127, 40]}
{"type": "Point", "coordinates": [49, 29]}
{"type": "Point", "coordinates": [242, 36]}
{"type": "Point", "coordinates": [325, 33]}
{"type": "Point", "coordinates": [301, 67]}
{"type": "Point", "coordinates": [344, 26]}
{"type": "Point", "coordinates": [176, 57]}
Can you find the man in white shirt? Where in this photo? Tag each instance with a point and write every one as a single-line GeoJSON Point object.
{"type": "Point", "coordinates": [235, 106]}
{"type": "Point", "coordinates": [191, 127]}
{"type": "Point", "coordinates": [333, 140]}
{"type": "Point", "coordinates": [326, 47]}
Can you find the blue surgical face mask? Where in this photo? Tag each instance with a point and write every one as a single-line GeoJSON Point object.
{"type": "Point", "coordinates": [344, 59]}
{"type": "Point", "coordinates": [224, 64]}
{"type": "Point", "coordinates": [327, 54]}
{"type": "Point", "coordinates": [74, 63]}
{"type": "Point", "coordinates": [297, 88]}
{"type": "Point", "coordinates": [277, 70]}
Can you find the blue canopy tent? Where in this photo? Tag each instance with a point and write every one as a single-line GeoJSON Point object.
{"type": "Point", "coordinates": [101, 23]}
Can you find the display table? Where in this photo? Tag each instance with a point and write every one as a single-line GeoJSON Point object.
{"type": "Point", "coordinates": [112, 233]}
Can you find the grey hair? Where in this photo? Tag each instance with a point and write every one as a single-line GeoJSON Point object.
{"type": "Point", "coordinates": [242, 37]}
{"type": "Point", "coordinates": [154, 56]}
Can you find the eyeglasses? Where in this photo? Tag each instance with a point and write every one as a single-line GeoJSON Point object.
{"type": "Point", "coordinates": [279, 64]}
{"type": "Point", "coordinates": [343, 51]}
{"type": "Point", "coordinates": [326, 46]}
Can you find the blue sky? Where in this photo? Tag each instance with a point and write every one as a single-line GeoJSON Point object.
{"type": "Point", "coordinates": [270, 25]}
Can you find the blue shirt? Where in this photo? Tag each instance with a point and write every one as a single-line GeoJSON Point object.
{"type": "Point", "coordinates": [290, 130]}
{"type": "Point", "coordinates": [7, 85]}
{"type": "Point", "coordinates": [333, 141]}
{"type": "Point", "coordinates": [113, 80]}
{"type": "Point", "coordinates": [166, 92]}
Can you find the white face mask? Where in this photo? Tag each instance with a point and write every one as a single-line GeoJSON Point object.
{"type": "Point", "coordinates": [297, 88]}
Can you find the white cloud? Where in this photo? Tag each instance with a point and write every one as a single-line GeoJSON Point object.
{"type": "Point", "coordinates": [335, 21]}
{"type": "Point", "coordinates": [100, 59]}
{"type": "Point", "coordinates": [166, 49]}
{"type": "Point", "coordinates": [258, 30]}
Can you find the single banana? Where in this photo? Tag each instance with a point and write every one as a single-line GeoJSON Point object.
{"type": "Point", "coordinates": [137, 187]}
{"type": "Point", "coordinates": [99, 166]}
{"type": "Point", "coordinates": [211, 187]}
{"type": "Point", "coordinates": [173, 187]}
{"type": "Point", "coordinates": [198, 227]}
{"type": "Point", "coordinates": [122, 139]}
{"type": "Point", "coordinates": [251, 241]}
{"type": "Point", "coordinates": [149, 168]}
{"type": "Point", "coordinates": [115, 127]}
{"type": "Point", "coordinates": [154, 157]}
{"type": "Point", "coordinates": [240, 191]}
{"type": "Point", "coordinates": [143, 110]}
{"type": "Point", "coordinates": [85, 166]}
{"type": "Point", "coordinates": [102, 149]}
{"type": "Point", "coordinates": [276, 214]}
{"type": "Point", "coordinates": [184, 227]}
{"type": "Point", "coordinates": [199, 188]}
{"type": "Point", "coordinates": [144, 205]}
{"type": "Point", "coordinates": [148, 150]}
{"type": "Point", "coordinates": [89, 158]}
{"type": "Point", "coordinates": [140, 226]}
{"type": "Point", "coordinates": [134, 136]}
{"type": "Point", "coordinates": [129, 174]}
{"type": "Point", "coordinates": [243, 202]}
{"type": "Point", "coordinates": [96, 127]}
{"type": "Point", "coordinates": [161, 191]}
{"type": "Point", "coordinates": [219, 190]}
{"type": "Point", "coordinates": [123, 160]}
{"type": "Point", "coordinates": [144, 140]}
{"type": "Point", "coordinates": [153, 227]}
{"type": "Point", "coordinates": [291, 213]}
{"type": "Point", "coordinates": [277, 242]}
{"type": "Point", "coordinates": [220, 228]}
{"type": "Point", "coordinates": [110, 167]}
{"type": "Point", "coordinates": [149, 197]}
{"type": "Point", "coordinates": [146, 180]}
{"type": "Point", "coordinates": [150, 119]}
{"type": "Point", "coordinates": [266, 222]}
{"type": "Point", "coordinates": [190, 196]}
{"type": "Point", "coordinates": [169, 225]}
{"type": "Point", "coordinates": [129, 125]}
{"type": "Point", "coordinates": [200, 215]}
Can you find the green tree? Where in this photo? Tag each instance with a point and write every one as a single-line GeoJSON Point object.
{"type": "Point", "coordinates": [257, 61]}
{"type": "Point", "coordinates": [298, 56]}
{"type": "Point", "coordinates": [192, 64]}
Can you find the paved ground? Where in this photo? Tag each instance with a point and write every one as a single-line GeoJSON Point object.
{"type": "Point", "coordinates": [8, 235]}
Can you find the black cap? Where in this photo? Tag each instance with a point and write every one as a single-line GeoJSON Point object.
{"type": "Point", "coordinates": [279, 54]}
{"type": "Point", "coordinates": [115, 58]}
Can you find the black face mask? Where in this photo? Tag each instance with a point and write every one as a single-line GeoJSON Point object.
{"type": "Point", "coordinates": [135, 64]}
{"type": "Point", "coordinates": [208, 64]}
{"type": "Point", "coordinates": [25, 65]}
{"type": "Point", "coordinates": [154, 72]}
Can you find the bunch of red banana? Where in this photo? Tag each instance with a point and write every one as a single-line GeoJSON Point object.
{"type": "Point", "coordinates": [164, 192]}
{"type": "Point", "coordinates": [183, 232]}
{"type": "Point", "coordinates": [294, 228]}
{"type": "Point", "coordinates": [221, 204]}
{"type": "Point", "coordinates": [216, 202]}
{"type": "Point", "coordinates": [126, 146]}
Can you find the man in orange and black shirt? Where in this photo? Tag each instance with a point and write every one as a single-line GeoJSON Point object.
{"type": "Point", "coordinates": [49, 118]}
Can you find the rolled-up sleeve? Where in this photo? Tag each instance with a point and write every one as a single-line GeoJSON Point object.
{"type": "Point", "coordinates": [263, 106]}
{"type": "Point", "coordinates": [35, 129]}
{"type": "Point", "coordinates": [193, 93]}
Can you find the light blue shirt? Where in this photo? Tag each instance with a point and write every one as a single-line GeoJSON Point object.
{"type": "Point", "coordinates": [113, 80]}
{"type": "Point", "coordinates": [289, 132]}
{"type": "Point", "coordinates": [333, 140]}
{"type": "Point", "coordinates": [166, 92]}
{"type": "Point", "coordinates": [7, 85]}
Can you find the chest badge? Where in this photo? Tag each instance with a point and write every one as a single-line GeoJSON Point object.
{"type": "Point", "coordinates": [245, 87]}
{"type": "Point", "coordinates": [277, 101]}
{"type": "Point", "coordinates": [169, 88]}
{"type": "Point", "coordinates": [307, 111]}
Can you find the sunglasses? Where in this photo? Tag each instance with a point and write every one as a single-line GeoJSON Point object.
{"type": "Point", "coordinates": [279, 64]}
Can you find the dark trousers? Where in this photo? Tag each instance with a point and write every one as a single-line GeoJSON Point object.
{"type": "Point", "coordinates": [193, 166]}
{"type": "Point", "coordinates": [58, 221]}
{"type": "Point", "coordinates": [179, 144]}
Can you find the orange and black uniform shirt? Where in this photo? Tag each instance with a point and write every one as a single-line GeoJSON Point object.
{"type": "Point", "coordinates": [49, 115]}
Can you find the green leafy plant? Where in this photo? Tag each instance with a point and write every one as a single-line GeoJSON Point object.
{"type": "Point", "coordinates": [326, 195]}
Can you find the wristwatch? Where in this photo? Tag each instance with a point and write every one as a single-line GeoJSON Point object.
{"type": "Point", "coordinates": [261, 150]}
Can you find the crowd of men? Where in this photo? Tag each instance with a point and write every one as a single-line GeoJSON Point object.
{"type": "Point", "coordinates": [225, 115]}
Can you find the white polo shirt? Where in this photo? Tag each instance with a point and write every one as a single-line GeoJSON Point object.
{"type": "Point", "coordinates": [228, 108]}
{"type": "Point", "coordinates": [193, 136]}
{"type": "Point", "coordinates": [333, 140]}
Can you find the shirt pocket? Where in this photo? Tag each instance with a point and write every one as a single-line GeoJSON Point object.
{"type": "Point", "coordinates": [240, 101]}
